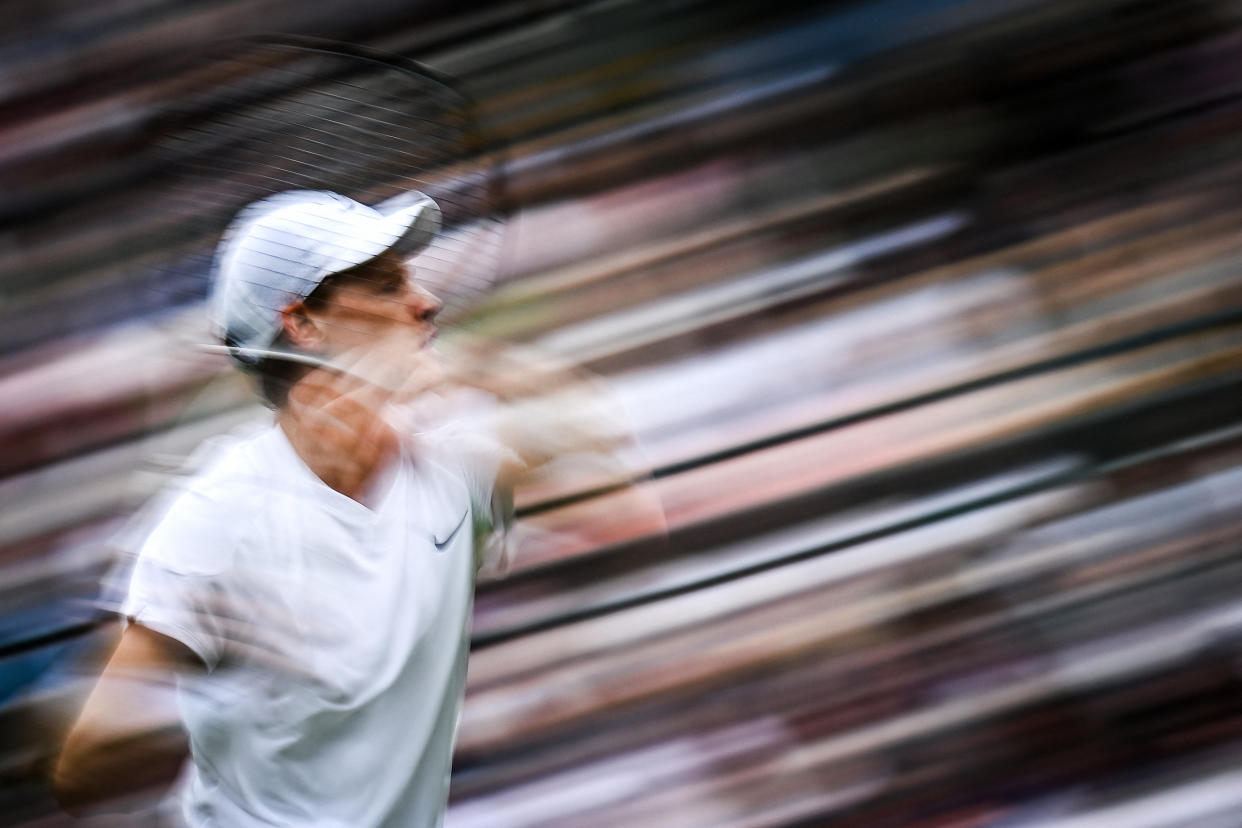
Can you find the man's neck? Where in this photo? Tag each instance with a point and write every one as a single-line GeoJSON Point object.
{"type": "Point", "coordinates": [342, 436]}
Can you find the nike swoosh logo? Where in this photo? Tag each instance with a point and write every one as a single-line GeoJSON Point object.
{"type": "Point", "coordinates": [443, 544]}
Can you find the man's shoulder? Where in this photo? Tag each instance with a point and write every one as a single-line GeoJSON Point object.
{"type": "Point", "coordinates": [209, 495]}
{"type": "Point", "coordinates": [227, 468]}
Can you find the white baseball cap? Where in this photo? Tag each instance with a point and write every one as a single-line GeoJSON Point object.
{"type": "Point", "coordinates": [277, 251]}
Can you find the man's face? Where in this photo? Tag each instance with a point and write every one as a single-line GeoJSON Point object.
{"type": "Point", "coordinates": [360, 309]}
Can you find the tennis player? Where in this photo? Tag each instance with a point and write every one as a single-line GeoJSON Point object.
{"type": "Point", "coordinates": [309, 590]}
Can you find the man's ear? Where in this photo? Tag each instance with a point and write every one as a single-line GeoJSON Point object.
{"type": "Point", "coordinates": [300, 329]}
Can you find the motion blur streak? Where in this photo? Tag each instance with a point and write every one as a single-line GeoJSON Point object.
{"type": "Point", "coordinates": [926, 316]}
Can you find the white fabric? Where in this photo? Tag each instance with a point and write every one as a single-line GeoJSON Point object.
{"type": "Point", "coordinates": [335, 636]}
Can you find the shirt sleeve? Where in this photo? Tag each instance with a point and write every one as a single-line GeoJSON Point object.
{"type": "Point", "coordinates": [177, 584]}
{"type": "Point", "coordinates": [491, 505]}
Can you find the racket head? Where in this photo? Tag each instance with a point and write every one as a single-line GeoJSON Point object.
{"type": "Point", "coordinates": [253, 117]}
{"type": "Point", "coordinates": [261, 116]}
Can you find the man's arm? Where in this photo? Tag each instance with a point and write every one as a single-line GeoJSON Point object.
{"type": "Point", "coordinates": [549, 408]}
{"type": "Point", "coordinates": [558, 424]}
{"type": "Point", "coordinates": [565, 435]}
{"type": "Point", "coordinates": [121, 742]}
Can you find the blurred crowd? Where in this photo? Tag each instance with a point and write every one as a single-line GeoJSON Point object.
{"type": "Point", "coordinates": [926, 319]}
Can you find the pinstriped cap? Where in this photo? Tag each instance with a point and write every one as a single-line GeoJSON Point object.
{"type": "Point", "coordinates": [278, 250]}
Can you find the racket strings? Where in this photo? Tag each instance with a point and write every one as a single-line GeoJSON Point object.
{"type": "Point", "coordinates": [273, 118]}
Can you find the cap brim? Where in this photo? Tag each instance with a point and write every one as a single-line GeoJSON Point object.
{"type": "Point", "coordinates": [420, 217]}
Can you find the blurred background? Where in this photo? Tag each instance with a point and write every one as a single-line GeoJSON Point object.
{"type": "Point", "coordinates": [926, 314]}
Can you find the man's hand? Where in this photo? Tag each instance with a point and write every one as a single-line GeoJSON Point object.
{"type": "Point", "coordinates": [555, 418]}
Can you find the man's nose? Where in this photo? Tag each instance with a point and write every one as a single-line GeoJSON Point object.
{"type": "Point", "coordinates": [423, 304]}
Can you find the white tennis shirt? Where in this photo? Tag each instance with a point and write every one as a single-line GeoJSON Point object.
{"type": "Point", "coordinates": [335, 635]}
